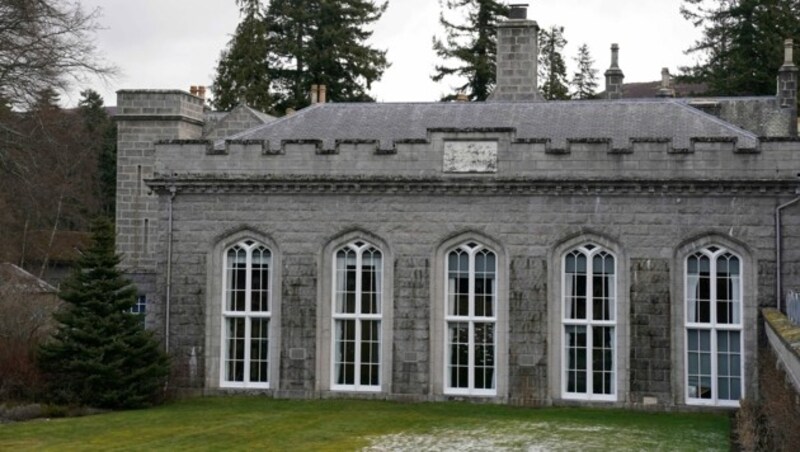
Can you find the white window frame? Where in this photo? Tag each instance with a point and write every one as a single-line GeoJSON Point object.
{"type": "Point", "coordinates": [359, 246]}
{"type": "Point", "coordinates": [713, 326]}
{"type": "Point", "coordinates": [590, 323]}
{"type": "Point", "coordinates": [471, 319]}
{"type": "Point", "coordinates": [248, 245]}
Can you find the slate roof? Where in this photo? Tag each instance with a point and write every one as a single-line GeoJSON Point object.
{"type": "Point", "coordinates": [10, 275]}
{"type": "Point", "coordinates": [553, 122]}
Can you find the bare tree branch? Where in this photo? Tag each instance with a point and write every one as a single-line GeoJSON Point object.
{"type": "Point", "coordinates": [46, 44]}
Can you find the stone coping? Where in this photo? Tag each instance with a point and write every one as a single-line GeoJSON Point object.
{"type": "Point", "coordinates": [788, 332]}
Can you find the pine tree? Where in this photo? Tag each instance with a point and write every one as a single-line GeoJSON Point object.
{"type": "Point", "coordinates": [469, 49]}
{"type": "Point", "coordinates": [100, 355]}
{"type": "Point", "coordinates": [584, 81]}
{"type": "Point", "coordinates": [742, 44]}
{"type": "Point", "coordinates": [324, 42]}
{"type": "Point", "coordinates": [552, 69]}
{"type": "Point", "coordinates": [243, 71]}
{"type": "Point", "coordinates": [102, 133]}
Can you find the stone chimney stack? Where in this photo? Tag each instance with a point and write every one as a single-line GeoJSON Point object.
{"type": "Point", "coordinates": [517, 56]}
{"type": "Point", "coordinates": [614, 76]}
{"type": "Point", "coordinates": [787, 85]}
{"type": "Point", "coordinates": [666, 85]}
{"type": "Point", "coordinates": [318, 94]}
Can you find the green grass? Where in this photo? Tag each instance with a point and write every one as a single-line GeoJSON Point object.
{"type": "Point", "coordinates": [241, 423]}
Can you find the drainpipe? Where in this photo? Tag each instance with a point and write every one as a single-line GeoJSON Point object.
{"type": "Point", "coordinates": [778, 249]}
{"type": "Point", "coordinates": [169, 269]}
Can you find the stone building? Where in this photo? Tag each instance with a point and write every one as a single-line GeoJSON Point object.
{"type": "Point", "coordinates": [612, 251]}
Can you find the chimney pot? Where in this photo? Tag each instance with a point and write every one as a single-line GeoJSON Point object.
{"type": "Point", "coordinates": [201, 92]}
{"type": "Point", "coordinates": [666, 85]}
{"type": "Point", "coordinates": [518, 11]}
{"type": "Point", "coordinates": [615, 55]}
{"type": "Point", "coordinates": [462, 97]}
{"type": "Point", "coordinates": [323, 94]}
{"type": "Point", "coordinates": [787, 86]}
{"type": "Point", "coordinates": [614, 76]}
{"type": "Point", "coordinates": [193, 90]}
{"type": "Point", "coordinates": [314, 94]}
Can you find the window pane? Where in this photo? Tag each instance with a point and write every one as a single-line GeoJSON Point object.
{"type": "Point", "coordinates": [699, 363]}
{"type": "Point", "coordinates": [484, 284]}
{"type": "Point", "coordinates": [576, 358]}
{"type": "Point", "coordinates": [236, 279]}
{"type": "Point", "coordinates": [370, 353]}
{"type": "Point", "coordinates": [458, 283]}
{"type": "Point", "coordinates": [484, 355]}
{"type": "Point", "coordinates": [260, 280]}
{"type": "Point", "coordinates": [729, 365]}
{"type": "Point", "coordinates": [602, 360]}
{"type": "Point", "coordinates": [234, 356]}
{"type": "Point", "coordinates": [344, 361]}
{"type": "Point", "coordinates": [371, 281]}
{"type": "Point", "coordinates": [458, 349]}
{"type": "Point", "coordinates": [259, 350]}
{"type": "Point", "coordinates": [575, 290]}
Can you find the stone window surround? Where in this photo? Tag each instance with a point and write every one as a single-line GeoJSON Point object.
{"type": "Point", "coordinates": [471, 319]}
{"type": "Point", "coordinates": [215, 296]}
{"type": "Point", "coordinates": [555, 349]}
{"type": "Point", "coordinates": [438, 366]}
{"type": "Point", "coordinates": [678, 312]}
{"type": "Point", "coordinates": [359, 247]}
{"type": "Point", "coordinates": [589, 323]}
{"type": "Point", "coordinates": [325, 299]}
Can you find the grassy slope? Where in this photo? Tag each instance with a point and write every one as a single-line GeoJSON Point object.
{"type": "Point", "coordinates": [248, 423]}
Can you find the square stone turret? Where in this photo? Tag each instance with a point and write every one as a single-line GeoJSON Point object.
{"type": "Point", "coordinates": [143, 118]}
{"type": "Point", "coordinates": [787, 85]}
{"type": "Point", "coordinates": [517, 58]}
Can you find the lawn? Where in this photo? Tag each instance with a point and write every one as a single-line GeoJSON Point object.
{"type": "Point", "coordinates": [246, 423]}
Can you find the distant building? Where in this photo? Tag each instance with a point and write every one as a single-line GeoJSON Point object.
{"type": "Point", "coordinates": [611, 251]}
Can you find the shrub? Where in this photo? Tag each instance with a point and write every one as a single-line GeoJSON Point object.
{"type": "Point", "coordinates": [772, 422]}
{"type": "Point", "coordinates": [25, 321]}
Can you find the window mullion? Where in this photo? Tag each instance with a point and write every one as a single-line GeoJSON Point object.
{"type": "Point", "coordinates": [714, 375]}
{"type": "Point", "coordinates": [248, 298]}
{"type": "Point", "coordinates": [357, 359]}
{"type": "Point", "coordinates": [358, 282]}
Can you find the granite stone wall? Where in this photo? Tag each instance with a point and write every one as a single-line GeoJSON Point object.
{"type": "Point", "coordinates": [649, 227]}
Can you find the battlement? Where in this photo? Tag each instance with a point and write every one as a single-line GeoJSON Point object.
{"type": "Point", "coordinates": [443, 153]}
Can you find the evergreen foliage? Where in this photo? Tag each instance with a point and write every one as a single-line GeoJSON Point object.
{"type": "Point", "coordinates": [243, 72]}
{"type": "Point", "coordinates": [324, 42]}
{"type": "Point", "coordinates": [741, 48]}
{"type": "Point", "coordinates": [100, 355]}
{"type": "Point", "coordinates": [584, 81]}
{"type": "Point", "coordinates": [552, 69]}
{"type": "Point", "coordinates": [102, 129]}
{"type": "Point", "coordinates": [469, 49]}
{"type": "Point", "coordinates": [279, 52]}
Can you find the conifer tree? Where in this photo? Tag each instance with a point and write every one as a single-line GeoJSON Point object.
{"type": "Point", "coordinates": [324, 42]}
{"type": "Point", "coordinates": [741, 48]}
{"type": "Point", "coordinates": [469, 49]}
{"type": "Point", "coordinates": [584, 81]}
{"type": "Point", "coordinates": [243, 71]}
{"type": "Point", "coordinates": [100, 355]}
{"type": "Point", "coordinates": [103, 138]}
{"type": "Point", "coordinates": [552, 69]}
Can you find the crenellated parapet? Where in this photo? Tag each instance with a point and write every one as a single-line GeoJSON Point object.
{"type": "Point", "coordinates": [497, 153]}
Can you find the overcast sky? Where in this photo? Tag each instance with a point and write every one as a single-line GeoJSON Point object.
{"type": "Point", "coordinates": [173, 44]}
